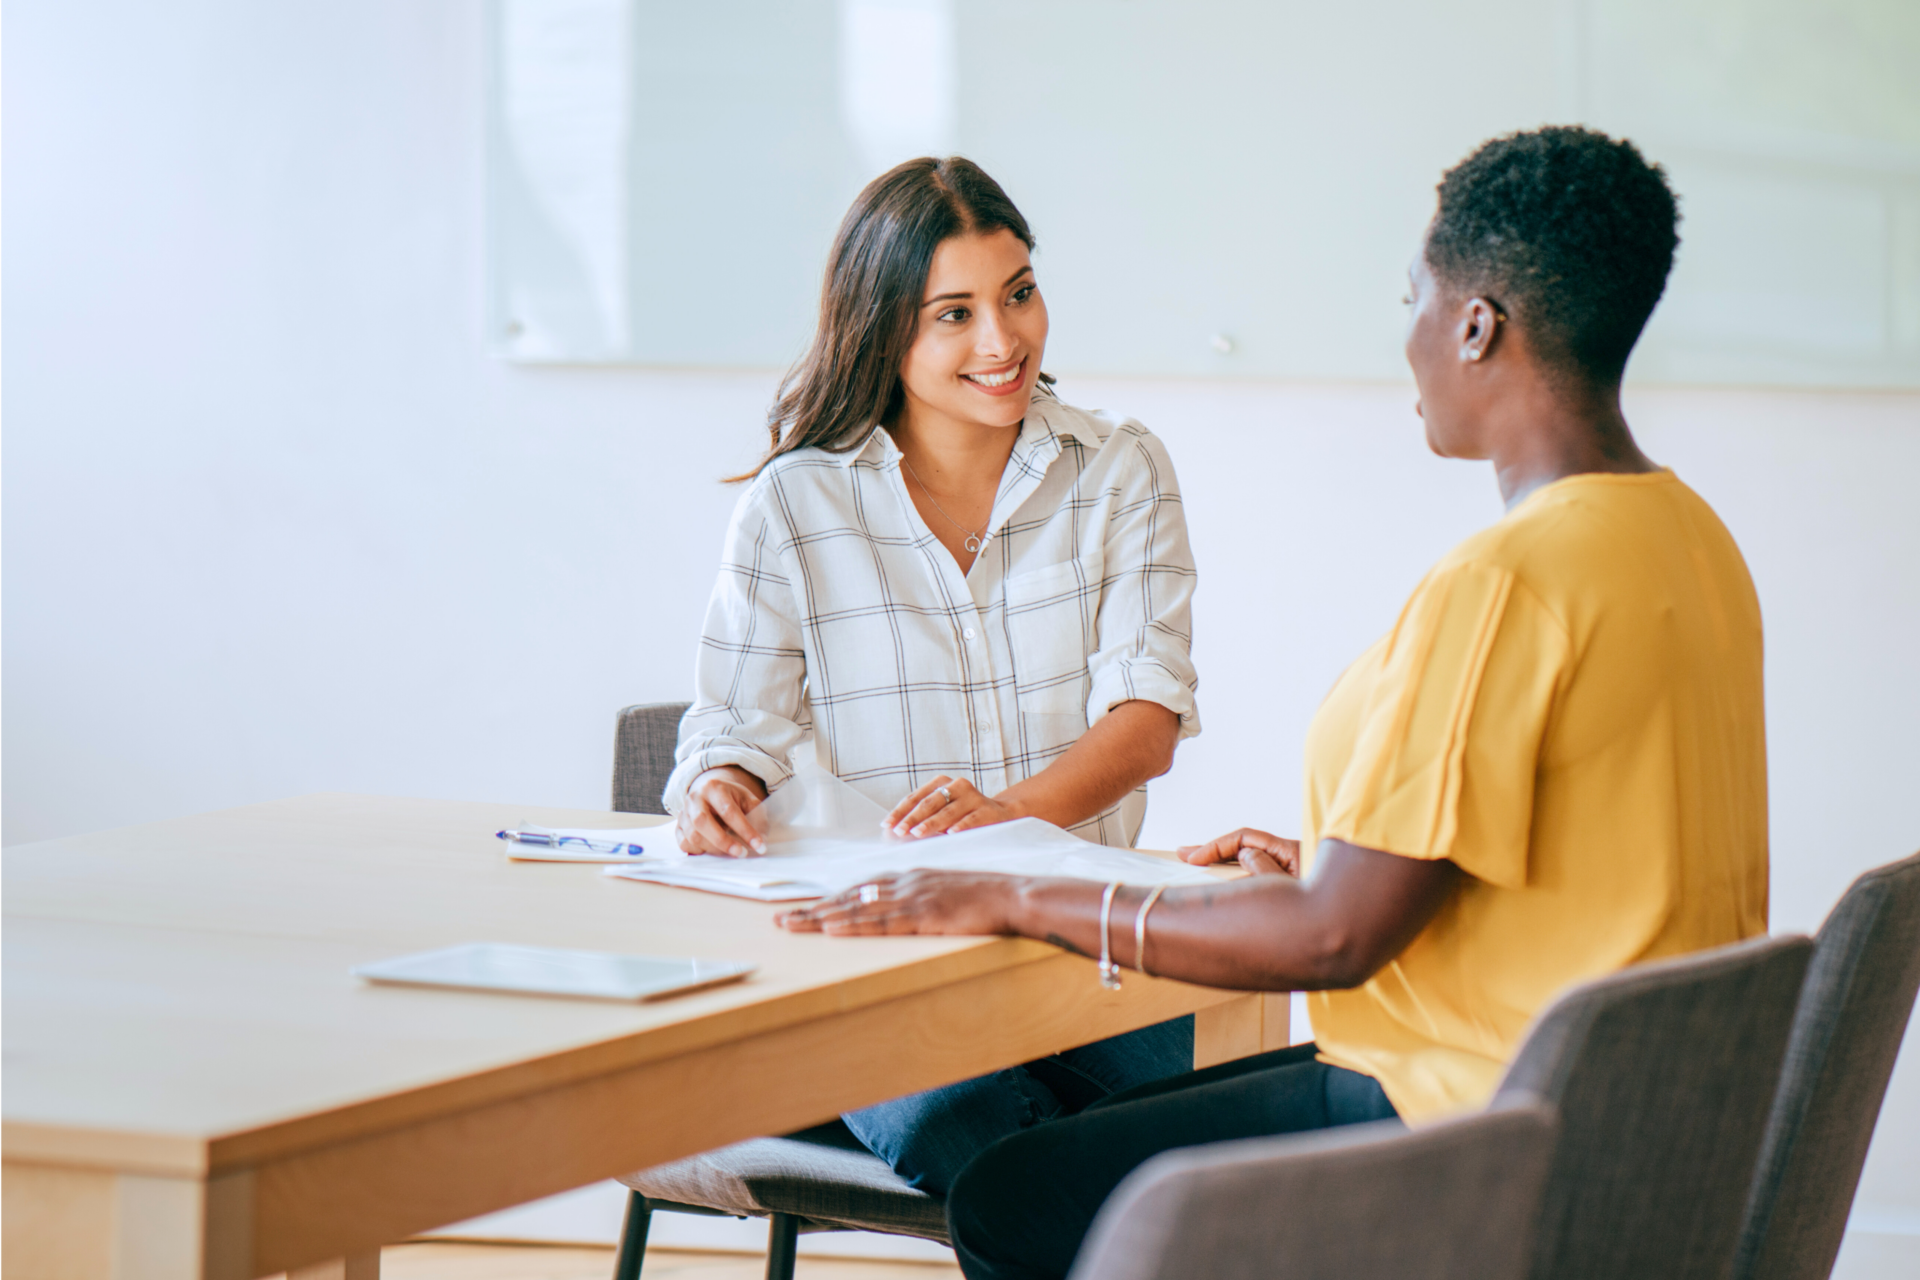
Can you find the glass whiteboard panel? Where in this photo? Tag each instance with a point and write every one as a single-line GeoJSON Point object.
{"type": "Point", "coordinates": [1219, 187]}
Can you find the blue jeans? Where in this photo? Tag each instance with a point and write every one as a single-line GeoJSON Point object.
{"type": "Point", "coordinates": [929, 1137]}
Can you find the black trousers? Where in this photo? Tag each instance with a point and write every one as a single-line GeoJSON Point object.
{"type": "Point", "coordinates": [1021, 1208]}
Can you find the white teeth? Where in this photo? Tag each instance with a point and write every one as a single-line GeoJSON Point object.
{"type": "Point", "coordinates": [995, 379]}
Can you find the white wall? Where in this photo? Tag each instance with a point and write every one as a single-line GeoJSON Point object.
{"type": "Point", "coordinates": [274, 521]}
{"type": "Point", "coordinates": [1261, 167]}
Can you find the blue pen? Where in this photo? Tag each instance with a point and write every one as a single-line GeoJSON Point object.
{"type": "Point", "coordinates": [571, 842]}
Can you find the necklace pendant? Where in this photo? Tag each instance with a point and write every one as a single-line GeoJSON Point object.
{"type": "Point", "coordinates": [972, 544]}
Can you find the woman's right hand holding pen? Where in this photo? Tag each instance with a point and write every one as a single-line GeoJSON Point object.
{"type": "Point", "coordinates": [715, 818]}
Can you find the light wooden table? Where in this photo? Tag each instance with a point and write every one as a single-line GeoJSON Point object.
{"type": "Point", "coordinates": [196, 1086]}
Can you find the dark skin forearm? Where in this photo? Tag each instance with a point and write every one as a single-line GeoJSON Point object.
{"type": "Point", "coordinates": [1269, 932]}
{"type": "Point", "coordinates": [1264, 933]}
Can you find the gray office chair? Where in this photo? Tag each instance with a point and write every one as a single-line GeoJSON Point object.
{"type": "Point", "coordinates": [1846, 1035]}
{"type": "Point", "coordinates": [644, 739]}
{"type": "Point", "coordinates": [1663, 1076]}
{"type": "Point", "coordinates": [1451, 1201]}
{"type": "Point", "coordinates": [820, 1179]}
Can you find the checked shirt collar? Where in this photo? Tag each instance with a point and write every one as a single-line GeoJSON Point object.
{"type": "Point", "coordinates": [1042, 436]}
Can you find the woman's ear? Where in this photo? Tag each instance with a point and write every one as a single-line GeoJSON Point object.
{"type": "Point", "coordinates": [1479, 329]}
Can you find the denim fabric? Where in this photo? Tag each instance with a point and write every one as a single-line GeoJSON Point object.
{"type": "Point", "coordinates": [1021, 1209]}
{"type": "Point", "coordinates": [929, 1137]}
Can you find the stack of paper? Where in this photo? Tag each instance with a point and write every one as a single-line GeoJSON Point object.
{"type": "Point", "coordinates": [823, 836]}
{"type": "Point", "coordinates": [816, 868]}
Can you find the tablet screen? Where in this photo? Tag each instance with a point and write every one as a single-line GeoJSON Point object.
{"type": "Point", "coordinates": [594, 975]}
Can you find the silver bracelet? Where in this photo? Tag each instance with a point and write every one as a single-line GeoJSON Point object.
{"type": "Point", "coordinates": [1109, 971]}
{"type": "Point", "coordinates": [1140, 929]}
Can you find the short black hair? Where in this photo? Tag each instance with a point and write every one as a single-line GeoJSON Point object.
{"type": "Point", "coordinates": [1568, 230]}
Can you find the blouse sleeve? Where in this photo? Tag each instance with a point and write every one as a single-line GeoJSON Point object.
{"type": "Point", "coordinates": [1144, 629]}
{"type": "Point", "coordinates": [1448, 746]}
{"type": "Point", "coordinates": [749, 705]}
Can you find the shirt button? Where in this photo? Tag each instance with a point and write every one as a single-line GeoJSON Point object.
{"type": "Point", "coordinates": [968, 633]}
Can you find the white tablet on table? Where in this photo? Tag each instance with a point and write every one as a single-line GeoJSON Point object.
{"type": "Point", "coordinates": [547, 971]}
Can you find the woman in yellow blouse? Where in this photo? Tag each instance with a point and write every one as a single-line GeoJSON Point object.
{"type": "Point", "coordinates": [1552, 767]}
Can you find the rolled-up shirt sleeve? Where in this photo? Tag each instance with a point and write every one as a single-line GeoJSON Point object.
{"type": "Point", "coordinates": [749, 705]}
{"type": "Point", "coordinates": [1144, 629]}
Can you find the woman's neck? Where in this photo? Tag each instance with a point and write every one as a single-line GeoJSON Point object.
{"type": "Point", "coordinates": [955, 469]}
{"type": "Point", "coordinates": [950, 456]}
{"type": "Point", "coordinates": [1555, 431]}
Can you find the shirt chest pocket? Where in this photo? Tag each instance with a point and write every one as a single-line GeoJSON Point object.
{"type": "Point", "coordinates": [1051, 626]}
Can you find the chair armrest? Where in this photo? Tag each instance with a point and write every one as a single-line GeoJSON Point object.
{"type": "Point", "coordinates": [1452, 1200]}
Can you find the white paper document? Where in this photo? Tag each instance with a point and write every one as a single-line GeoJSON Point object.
{"type": "Point", "coordinates": [823, 836]}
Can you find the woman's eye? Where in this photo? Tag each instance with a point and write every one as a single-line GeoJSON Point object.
{"type": "Point", "coordinates": [957, 315]}
{"type": "Point", "coordinates": [1022, 294]}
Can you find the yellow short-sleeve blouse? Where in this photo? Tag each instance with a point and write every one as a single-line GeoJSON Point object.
{"type": "Point", "coordinates": [1569, 709]}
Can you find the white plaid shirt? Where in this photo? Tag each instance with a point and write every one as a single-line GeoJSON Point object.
{"type": "Point", "coordinates": [838, 615]}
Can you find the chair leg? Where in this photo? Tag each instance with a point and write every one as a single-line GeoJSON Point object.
{"type": "Point", "coordinates": [783, 1237]}
{"type": "Point", "coordinates": [633, 1238]}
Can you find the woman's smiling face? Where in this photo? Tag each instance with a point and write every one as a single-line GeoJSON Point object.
{"type": "Point", "coordinates": [982, 329]}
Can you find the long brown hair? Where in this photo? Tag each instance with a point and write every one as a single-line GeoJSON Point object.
{"type": "Point", "coordinates": [849, 379]}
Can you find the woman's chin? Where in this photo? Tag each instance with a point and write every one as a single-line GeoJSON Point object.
{"type": "Point", "coordinates": [999, 413]}
{"type": "Point", "coordinates": [1436, 439]}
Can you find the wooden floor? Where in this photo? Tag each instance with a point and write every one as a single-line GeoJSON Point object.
{"type": "Point", "coordinates": [450, 1261]}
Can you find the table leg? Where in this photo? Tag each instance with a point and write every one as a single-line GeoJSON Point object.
{"type": "Point", "coordinates": [1276, 1020]}
{"type": "Point", "coordinates": [1240, 1028]}
{"type": "Point", "coordinates": [361, 1266]}
{"type": "Point", "coordinates": [67, 1223]}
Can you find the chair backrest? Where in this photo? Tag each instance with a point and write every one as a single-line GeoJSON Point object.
{"type": "Point", "coordinates": [1451, 1201]}
{"type": "Point", "coordinates": [643, 743]}
{"type": "Point", "coordinates": [1663, 1076]}
{"type": "Point", "coordinates": [1846, 1035]}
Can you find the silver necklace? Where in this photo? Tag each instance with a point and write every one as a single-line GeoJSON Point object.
{"type": "Point", "coordinates": [974, 541]}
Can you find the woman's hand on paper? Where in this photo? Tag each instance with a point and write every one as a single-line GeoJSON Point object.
{"type": "Point", "coordinates": [946, 805]}
{"type": "Point", "coordinates": [715, 818]}
{"type": "Point", "coordinates": [1260, 852]}
{"type": "Point", "coordinates": [966, 902]}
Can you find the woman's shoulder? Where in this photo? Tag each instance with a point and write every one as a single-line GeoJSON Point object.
{"type": "Point", "coordinates": [1577, 522]}
{"type": "Point", "coordinates": [1120, 440]}
{"type": "Point", "coordinates": [811, 471]}
{"type": "Point", "coordinates": [816, 462]}
{"type": "Point", "coordinates": [1594, 543]}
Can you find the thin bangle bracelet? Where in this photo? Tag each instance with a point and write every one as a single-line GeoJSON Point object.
{"type": "Point", "coordinates": [1140, 929]}
{"type": "Point", "coordinates": [1109, 971]}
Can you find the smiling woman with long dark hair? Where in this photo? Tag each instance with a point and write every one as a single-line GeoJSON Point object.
{"type": "Point", "coordinates": [970, 597]}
